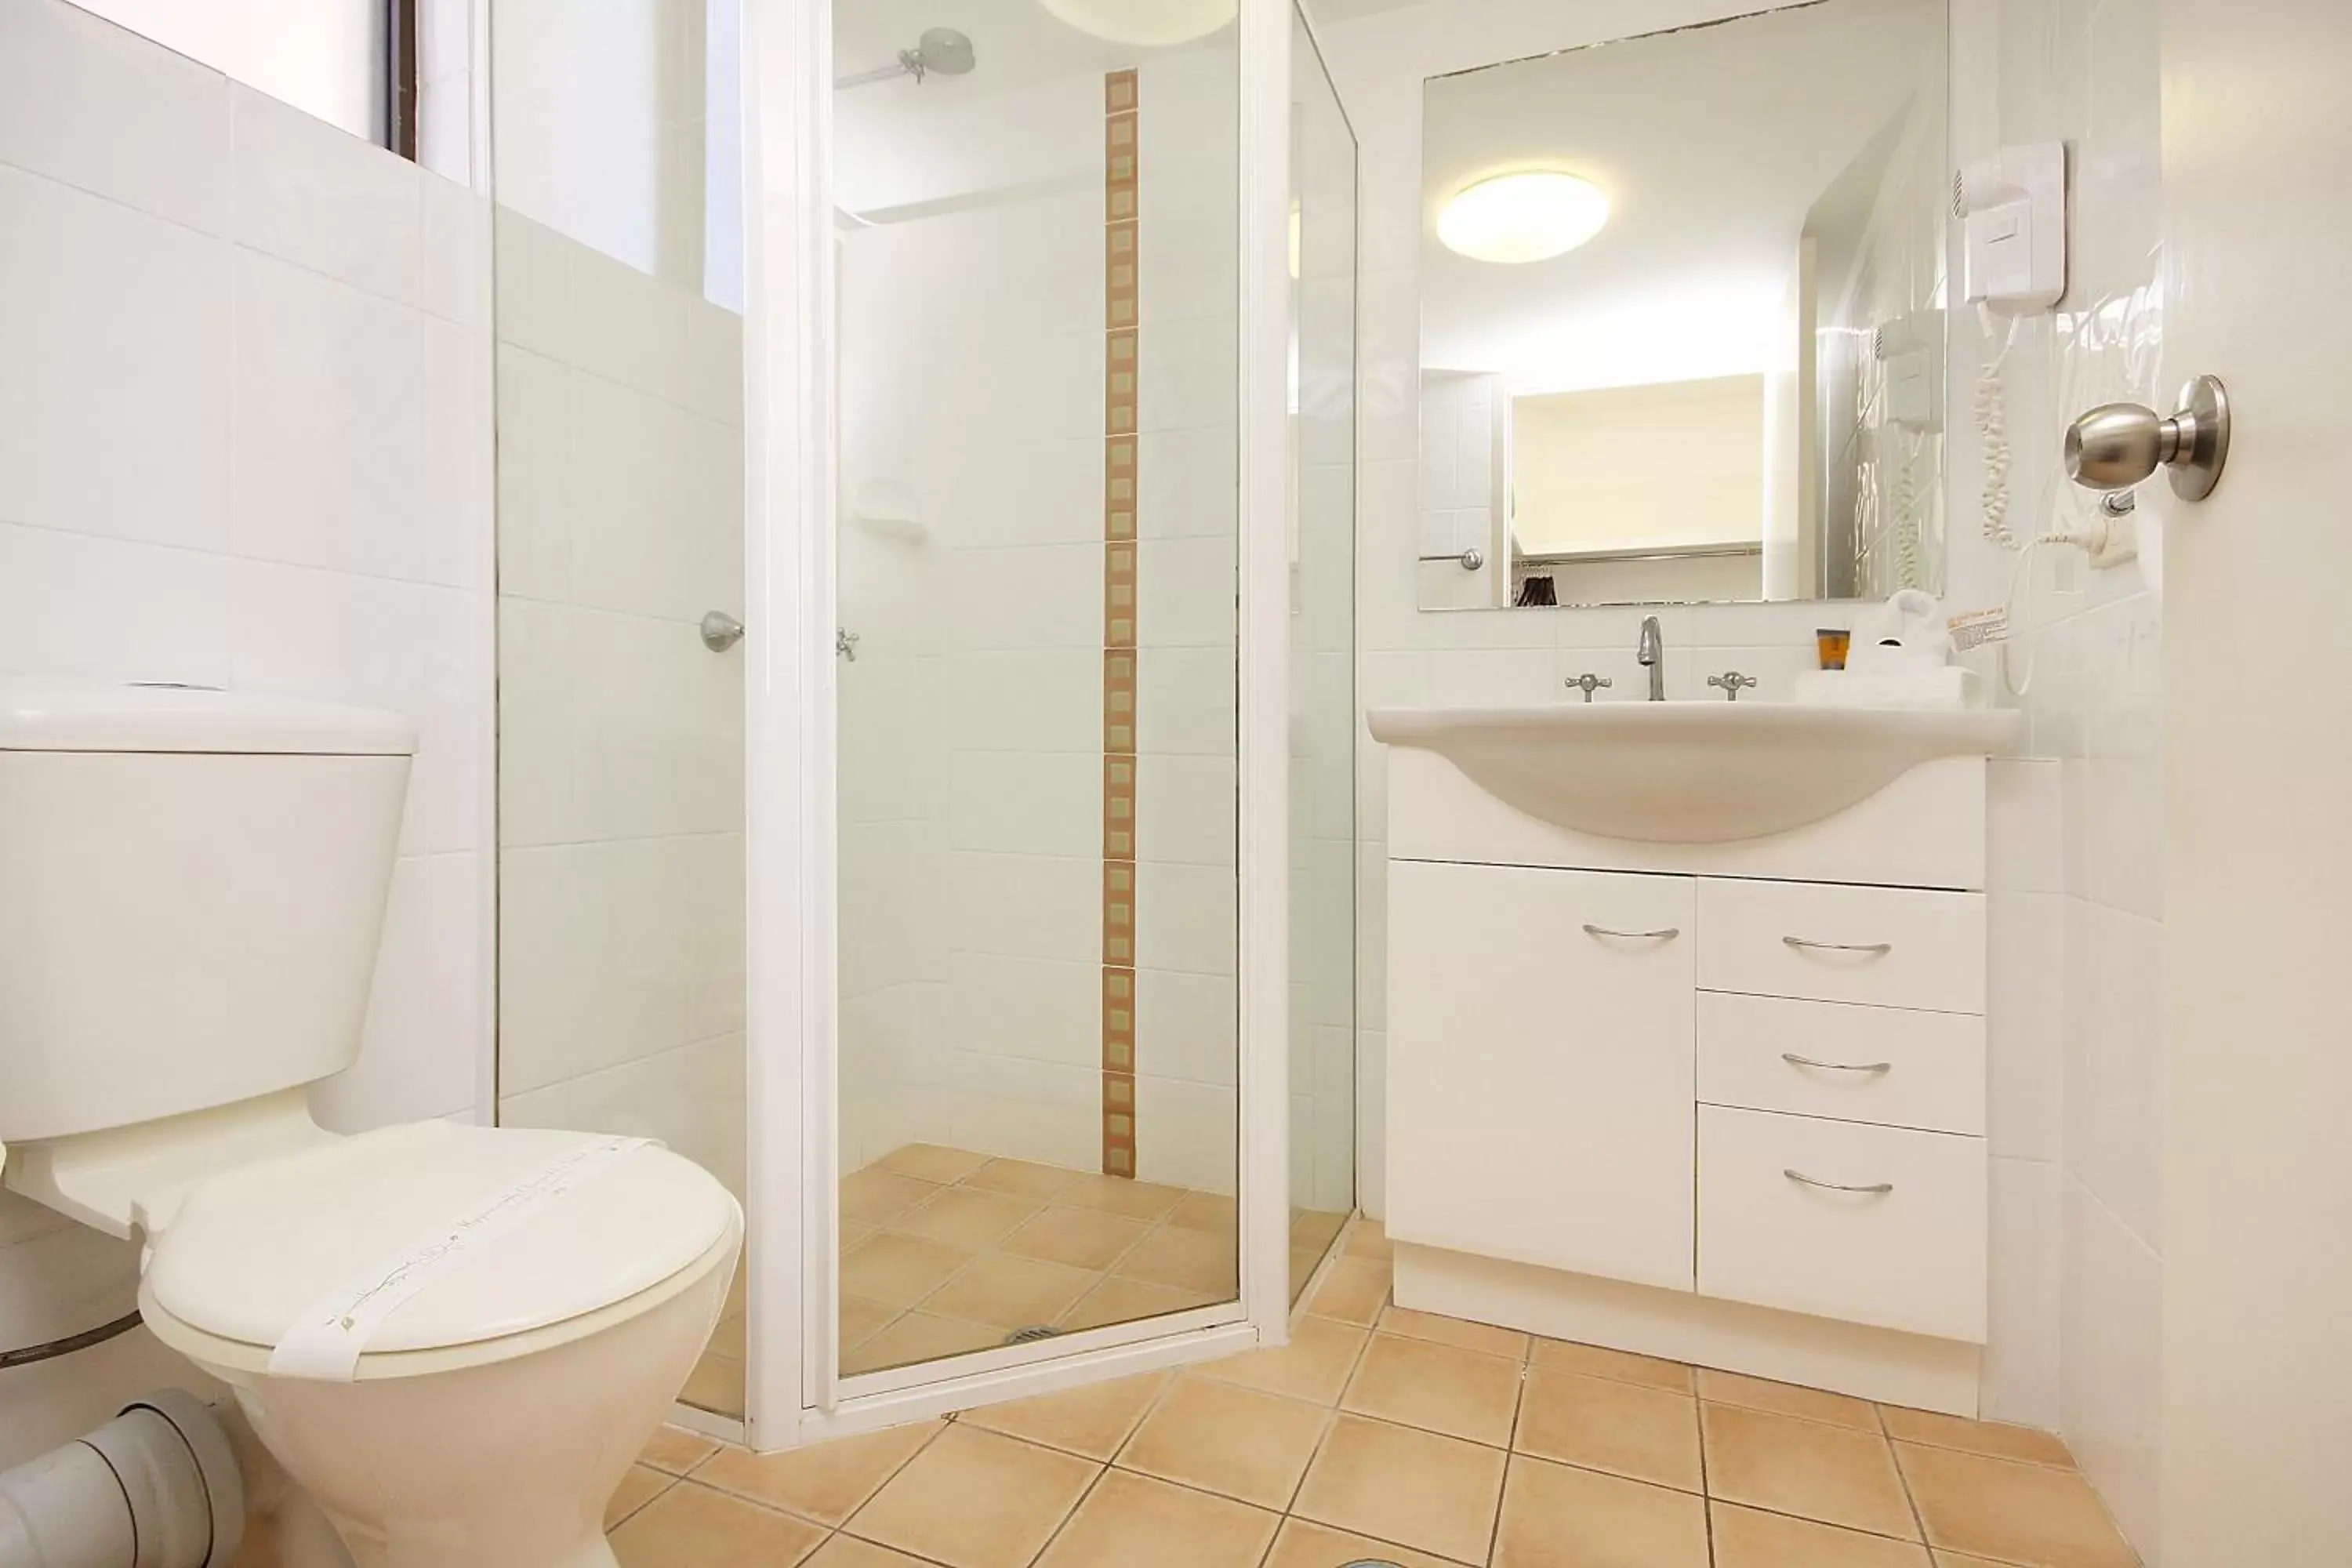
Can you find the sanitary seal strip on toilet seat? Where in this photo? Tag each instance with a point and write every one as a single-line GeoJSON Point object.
{"type": "Point", "coordinates": [328, 1339]}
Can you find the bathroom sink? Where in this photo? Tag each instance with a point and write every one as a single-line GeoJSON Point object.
{"type": "Point", "coordinates": [1689, 773]}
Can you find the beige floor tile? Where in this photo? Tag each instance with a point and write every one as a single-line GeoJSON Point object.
{"type": "Point", "coordinates": [1205, 1211]}
{"type": "Point", "coordinates": [1228, 1439]}
{"type": "Point", "coordinates": [693, 1527]}
{"type": "Point", "coordinates": [1023, 1178]}
{"type": "Point", "coordinates": [973, 1500]}
{"type": "Point", "coordinates": [1315, 1228]}
{"type": "Point", "coordinates": [1078, 1239]}
{"type": "Point", "coordinates": [1116, 1301]}
{"type": "Point", "coordinates": [728, 1338]}
{"type": "Point", "coordinates": [1746, 1538]}
{"type": "Point", "coordinates": [1092, 1421]}
{"type": "Point", "coordinates": [899, 1270]}
{"type": "Point", "coordinates": [1995, 1438]}
{"type": "Point", "coordinates": [1370, 1240]}
{"type": "Point", "coordinates": [872, 1196]}
{"type": "Point", "coordinates": [715, 1384]}
{"type": "Point", "coordinates": [1557, 1516]}
{"type": "Point", "coordinates": [1303, 1543]}
{"type": "Point", "coordinates": [1648, 1433]}
{"type": "Point", "coordinates": [1460, 1332]}
{"type": "Point", "coordinates": [1810, 1468]}
{"type": "Point", "coordinates": [1353, 1291]}
{"type": "Point", "coordinates": [1185, 1259]}
{"type": "Point", "coordinates": [848, 1551]}
{"type": "Point", "coordinates": [861, 1319]}
{"type": "Point", "coordinates": [1786, 1399]}
{"type": "Point", "coordinates": [931, 1163]}
{"type": "Point", "coordinates": [1956, 1560]}
{"type": "Point", "coordinates": [676, 1450]}
{"type": "Point", "coordinates": [1011, 1292]}
{"type": "Point", "coordinates": [1314, 1365]}
{"type": "Point", "coordinates": [1396, 1483]}
{"type": "Point", "coordinates": [825, 1482]}
{"type": "Point", "coordinates": [854, 1231]}
{"type": "Point", "coordinates": [1460, 1392]}
{"type": "Point", "coordinates": [962, 1217]}
{"type": "Point", "coordinates": [1134, 1522]}
{"type": "Point", "coordinates": [1620, 1366]}
{"type": "Point", "coordinates": [920, 1337]}
{"type": "Point", "coordinates": [1115, 1195]}
{"type": "Point", "coordinates": [638, 1487]}
{"type": "Point", "coordinates": [2031, 1514]}
{"type": "Point", "coordinates": [1302, 1270]}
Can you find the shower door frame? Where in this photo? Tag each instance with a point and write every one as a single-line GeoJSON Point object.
{"type": "Point", "coordinates": [793, 1393]}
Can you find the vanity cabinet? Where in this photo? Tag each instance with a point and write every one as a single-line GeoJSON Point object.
{"type": "Point", "coordinates": [1715, 1102]}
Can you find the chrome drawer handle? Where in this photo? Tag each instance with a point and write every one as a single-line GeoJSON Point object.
{"type": "Point", "coordinates": [1794, 1060]}
{"type": "Point", "coordinates": [1875, 948]}
{"type": "Point", "coordinates": [1666, 935]}
{"type": "Point", "coordinates": [1875, 1190]}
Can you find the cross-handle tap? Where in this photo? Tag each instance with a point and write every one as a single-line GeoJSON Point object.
{"type": "Point", "coordinates": [1652, 653]}
{"type": "Point", "coordinates": [1731, 683]}
{"type": "Point", "coordinates": [1588, 682]}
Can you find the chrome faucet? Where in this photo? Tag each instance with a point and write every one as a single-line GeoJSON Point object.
{"type": "Point", "coordinates": [1652, 655]}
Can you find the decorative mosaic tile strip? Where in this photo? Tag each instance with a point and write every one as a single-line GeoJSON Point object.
{"type": "Point", "coordinates": [1122, 292]}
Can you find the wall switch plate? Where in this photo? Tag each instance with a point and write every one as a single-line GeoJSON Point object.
{"type": "Point", "coordinates": [2012, 212]}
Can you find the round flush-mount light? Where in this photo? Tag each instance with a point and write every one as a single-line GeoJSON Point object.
{"type": "Point", "coordinates": [1532, 215]}
{"type": "Point", "coordinates": [1145, 21]}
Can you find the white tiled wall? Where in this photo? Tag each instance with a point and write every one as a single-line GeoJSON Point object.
{"type": "Point", "coordinates": [621, 768]}
{"type": "Point", "coordinates": [244, 440]}
{"type": "Point", "coordinates": [1461, 479]}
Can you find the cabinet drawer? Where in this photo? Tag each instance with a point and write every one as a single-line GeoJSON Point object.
{"type": "Point", "coordinates": [1539, 1068]}
{"type": "Point", "coordinates": [1897, 1067]}
{"type": "Point", "coordinates": [1891, 947]}
{"type": "Point", "coordinates": [1908, 1252]}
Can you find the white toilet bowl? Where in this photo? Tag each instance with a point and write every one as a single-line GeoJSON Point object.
{"type": "Point", "coordinates": [494, 1412]}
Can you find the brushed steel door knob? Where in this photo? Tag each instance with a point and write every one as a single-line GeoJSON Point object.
{"type": "Point", "coordinates": [2117, 445]}
{"type": "Point", "coordinates": [720, 631]}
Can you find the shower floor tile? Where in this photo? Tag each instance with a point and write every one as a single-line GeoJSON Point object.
{"type": "Point", "coordinates": [1385, 1442]}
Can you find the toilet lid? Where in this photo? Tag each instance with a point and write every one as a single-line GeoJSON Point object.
{"type": "Point", "coordinates": [254, 1249]}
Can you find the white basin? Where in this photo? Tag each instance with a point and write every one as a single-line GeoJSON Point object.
{"type": "Point", "coordinates": [1690, 773]}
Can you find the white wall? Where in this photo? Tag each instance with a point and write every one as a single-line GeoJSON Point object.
{"type": "Point", "coordinates": [620, 483]}
{"type": "Point", "coordinates": [1464, 481]}
{"type": "Point", "coordinates": [244, 440]}
{"type": "Point", "coordinates": [1619, 468]}
{"type": "Point", "coordinates": [325, 57]}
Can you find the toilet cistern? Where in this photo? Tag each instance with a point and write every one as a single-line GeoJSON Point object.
{"type": "Point", "coordinates": [1652, 653]}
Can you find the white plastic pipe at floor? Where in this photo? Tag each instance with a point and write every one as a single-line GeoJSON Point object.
{"type": "Point", "coordinates": [157, 1487]}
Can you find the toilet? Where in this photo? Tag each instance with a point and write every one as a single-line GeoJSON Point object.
{"type": "Point", "coordinates": [457, 1339]}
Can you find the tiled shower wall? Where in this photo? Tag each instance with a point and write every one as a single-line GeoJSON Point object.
{"type": "Point", "coordinates": [244, 440]}
{"type": "Point", "coordinates": [621, 736]}
{"type": "Point", "coordinates": [972, 571]}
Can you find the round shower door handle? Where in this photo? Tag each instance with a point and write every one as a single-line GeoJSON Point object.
{"type": "Point", "coordinates": [720, 631]}
{"type": "Point", "coordinates": [2117, 445]}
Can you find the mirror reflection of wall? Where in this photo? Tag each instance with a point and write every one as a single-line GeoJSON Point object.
{"type": "Point", "coordinates": [1683, 315]}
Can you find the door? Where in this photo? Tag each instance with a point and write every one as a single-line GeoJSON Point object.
{"type": "Point", "coordinates": [2258, 1170]}
{"type": "Point", "coordinates": [1541, 1066]}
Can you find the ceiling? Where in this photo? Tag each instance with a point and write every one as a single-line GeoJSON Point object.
{"type": "Point", "coordinates": [1712, 143]}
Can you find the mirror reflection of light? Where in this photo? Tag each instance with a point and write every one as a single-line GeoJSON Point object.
{"type": "Point", "coordinates": [1145, 21]}
{"type": "Point", "coordinates": [1674, 333]}
{"type": "Point", "coordinates": [1528, 217]}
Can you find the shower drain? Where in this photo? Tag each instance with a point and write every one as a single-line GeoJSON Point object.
{"type": "Point", "coordinates": [1032, 1334]}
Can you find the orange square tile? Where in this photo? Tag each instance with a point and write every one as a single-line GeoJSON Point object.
{"type": "Point", "coordinates": [676, 1450]}
{"type": "Point", "coordinates": [690, 1526]}
{"type": "Point", "coordinates": [1353, 1291]}
{"type": "Point", "coordinates": [1748, 1537]}
{"type": "Point", "coordinates": [931, 1163]}
{"type": "Point", "coordinates": [1206, 1211]}
{"type": "Point", "coordinates": [1395, 1483]}
{"type": "Point", "coordinates": [1786, 1399]}
{"type": "Point", "coordinates": [1116, 1301]}
{"type": "Point", "coordinates": [848, 1551]}
{"type": "Point", "coordinates": [1134, 1522]}
{"type": "Point", "coordinates": [638, 1487]}
{"type": "Point", "coordinates": [1460, 1332]}
{"type": "Point", "coordinates": [1416, 1383]}
{"type": "Point", "coordinates": [1647, 1434]}
{"type": "Point", "coordinates": [1621, 1366]}
{"type": "Point", "coordinates": [1077, 1238]}
{"type": "Point", "coordinates": [1555, 1516]}
{"type": "Point", "coordinates": [874, 1197]}
{"type": "Point", "coordinates": [962, 1217]}
{"type": "Point", "coordinates": [1369, 1238]}
{"type": "Point", "coordinates": [1118, 1195]}
{"type": "Point", "coordinates": [899, 1270]}
{"type": "Point", "coordinates": [1010, 1293]}
{"type": "Point", "coordinates": [1315, 1364]}
{"type": "Point", "coordinates": [824, 1481]}
{"type": "Point", "coordinates": [915, 1337]}
{"type": "Point", "coordinates": [973, 1500]}
{"type": "Point", "coordinates": [2033, 1514]}
{"type": "Point", "coordinates": [1224, 1438]}
{"type": "Point", "coordinates": [1994, 1438]}
{"type": "Point", "coordinates": [1023, 1179]}
{"type": "Point", "coordinates": [1092, 1421]}
{"type": "Point", "coordinates": [1810, 1468]}
{"type": "Point", "coordinates": [1186, 1259]}
{"type": "Point", "coordinates": [1304, 1544]}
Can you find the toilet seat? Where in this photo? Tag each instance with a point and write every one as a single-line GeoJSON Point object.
{"type": "Point", "coordinates": [251, 1250]}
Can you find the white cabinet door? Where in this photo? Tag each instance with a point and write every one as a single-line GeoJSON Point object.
{"type": "Point", "coordinates": [1541, 1066]}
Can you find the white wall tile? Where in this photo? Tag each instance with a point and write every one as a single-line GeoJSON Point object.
{"type": "Point", "coordinates": [1025, 906]}
{"type": "Point", "coordinates": [1187, 1135]}
{"type": "Point", "coordinates": [114, 405]}
{"type": "Point", "coordinates": [2027, 965]}
{"type": "Point", "coordinates": [1026, 597]}
{"type": "Point", "coordinates": [1032, 700]}
{"type": "Point", "coordinates": [453, 268]}
{"type": "Point", "coordinates": [1186, 699]}
{"type": "Point", "coordinates": [2112, 1371]}
{"type": "Point", "coordinates": [1187, 1025]}
{"type": "Point", "coordinates": [1047, 1010]}
{"type": "Point", "coordinates": [1187, 809]}
{"type": "Point", "coordinates": [1187, 918]}
{"type": "Point", "coordinates": [2021, 1378]}
{"type": "Point", "coordinates": [1026, 803]}
{"type": "Point", "coordinates": [73, 604]}
{"type": "Point", "coordinates": [93, 105]}
{"type": "Point", "coordinates": [690, 1097]}
{"type": "Point", "coordinates": [2114, 1081]}
{"type": "Point", "coordinates": [314, 195]}
{"type": "Point", "coordinates": [420, 1055]}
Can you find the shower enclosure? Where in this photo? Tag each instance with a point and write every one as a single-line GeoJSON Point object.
{"type": "Point", "coordinates": [926, 662]}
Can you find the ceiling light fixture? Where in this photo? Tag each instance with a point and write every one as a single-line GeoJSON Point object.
{"type": "Point", "coordinates": [1528, 217]}
{"type": "Point", "coordinates": [1145, 21]}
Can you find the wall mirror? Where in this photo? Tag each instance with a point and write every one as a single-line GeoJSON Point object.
{"type": "Point", "coordinates": [1681, 315]}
